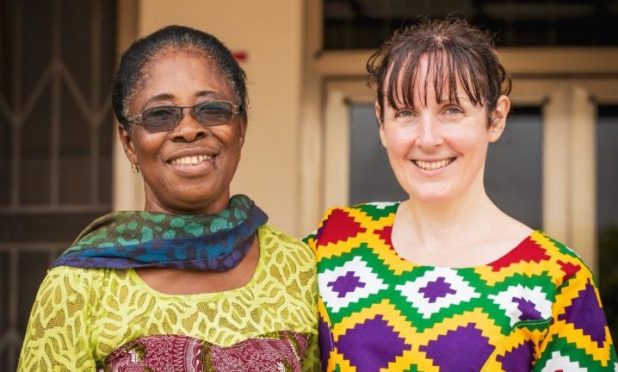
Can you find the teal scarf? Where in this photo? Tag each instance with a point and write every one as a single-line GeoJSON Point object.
{"type": "Point", "coordinates": [132, 239]}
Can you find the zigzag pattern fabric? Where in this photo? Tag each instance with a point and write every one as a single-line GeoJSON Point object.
{"type": "Point", "coordinates": [536, 308]}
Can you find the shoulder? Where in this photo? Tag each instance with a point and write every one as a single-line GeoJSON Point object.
{"type": "Point", "coordinates": [562, 263]}
{"type": "Point", "coordinates": [288, 264]}
{"type": "Point", "coordinates": [284, 246]}
{"type": "Point", "coordinates": [73, 276]}
{"type": "Point", "coordinates": [373, 210]}
{"type": "Point", "coordinates": [341, 223]}
{"type": "Point", "coordinates": [67, 294]}
{"type": "Point", "coordinates": [269, 235]}
{"type": "Point", "coordinates": [69, 282]}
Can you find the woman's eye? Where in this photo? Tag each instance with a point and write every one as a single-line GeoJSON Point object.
{"type": "Point", "coordinates": [159, 112]}
{"type": "Point", "coordinates": [453, 110]}
{"type": "Point", "coordinates": [405, 113]}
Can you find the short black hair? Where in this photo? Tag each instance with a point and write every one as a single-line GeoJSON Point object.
{"type": "Point", "coordinates": [134, 61]}
{"type": "Point", "coordinates": [456, 51]}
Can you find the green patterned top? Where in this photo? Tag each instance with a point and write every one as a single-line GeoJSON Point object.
{"type": "Point", "coordinates": [84, 319]}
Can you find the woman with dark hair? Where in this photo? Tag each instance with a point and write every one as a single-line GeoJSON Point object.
{"type": "Point", "coordinates": [197, 280]}
{"type": "Point", "coordinates": [446, 281]}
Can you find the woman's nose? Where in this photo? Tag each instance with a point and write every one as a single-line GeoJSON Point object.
{"type": "Point", "coordinates": [430, 132]}
{"type": "Point", "coordinates": [189, 129]}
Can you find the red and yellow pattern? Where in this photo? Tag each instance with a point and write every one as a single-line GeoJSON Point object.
{"type": "Point", "coordinates": [535, 308]}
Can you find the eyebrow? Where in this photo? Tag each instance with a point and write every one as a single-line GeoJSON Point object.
{"type": "Point", "coordinates": [206, 93]}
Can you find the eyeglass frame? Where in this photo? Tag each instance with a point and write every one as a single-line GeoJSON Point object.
{"type": "Point", "coordinates": [138, 119]}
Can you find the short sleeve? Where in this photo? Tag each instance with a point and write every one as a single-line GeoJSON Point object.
{"type": "Point", "coordinates": [56, 338]}
{"type": "Point", "coordinates": [578, 338]}
{"type": "Point", "coordinates": [312, 238]}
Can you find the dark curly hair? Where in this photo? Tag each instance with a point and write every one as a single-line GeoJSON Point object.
{"type": "Point", "coordinates": [135, 60]}
{"type": "Point", "coordinates": [456, 51]}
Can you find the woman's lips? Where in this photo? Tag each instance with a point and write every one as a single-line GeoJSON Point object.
{"type": "Point", "coordinates": [190, 160]}
{"type": "Point", "coordinates": [193, 165]}
{"type": "Point", "coordinates": [431, 165]}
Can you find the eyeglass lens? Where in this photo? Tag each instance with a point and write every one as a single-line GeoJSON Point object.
{"type": "Point", "coordinates": [166, 118]}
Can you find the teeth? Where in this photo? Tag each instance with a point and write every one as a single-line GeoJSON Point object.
{"type": "Point", "coordinates": [432, 165]}
{"type": "Point", "coordinates": [190, 160]}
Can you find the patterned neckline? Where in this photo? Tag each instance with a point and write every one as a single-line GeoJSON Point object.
{"type": "Point", "coordinates": [515, 250]}
{"type": "Point", "coordinates": [262, 232]}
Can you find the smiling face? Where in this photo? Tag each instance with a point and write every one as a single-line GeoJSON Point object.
{"type": "Point", "coordinates": [437, 148]}
{"type": "Point", "coordinates": [189, 168]}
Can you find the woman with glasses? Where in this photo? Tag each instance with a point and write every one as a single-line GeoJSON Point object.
{"type": "Point", "coordinates": [197, 280]}
{"type": "Point", "coordinates": [445, 281]}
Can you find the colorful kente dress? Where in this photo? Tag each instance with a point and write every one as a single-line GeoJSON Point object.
{"type": "Point", "coordinates": [536, 308]}
{"type": "Point", "coordinates": [110, 320]}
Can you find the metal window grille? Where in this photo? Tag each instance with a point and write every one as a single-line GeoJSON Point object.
{"type": "Point", "coordinates": [56, 63]}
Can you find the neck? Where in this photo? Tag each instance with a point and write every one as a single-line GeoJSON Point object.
{"type": "Point", "coordinates": [193, 205]}
{"type": "Point", "coordinates": [443, 224]}
{"type": "Point", "coordinates": [465, 231]}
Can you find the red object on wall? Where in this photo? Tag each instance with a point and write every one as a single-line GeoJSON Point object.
{"type": "Point", "coordinates": [240, 56]}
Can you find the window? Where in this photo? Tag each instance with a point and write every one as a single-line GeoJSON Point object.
{"type": "Point", "coordinates": [365, 24]}
{"type": "Point", "coordinates": [56, 132]}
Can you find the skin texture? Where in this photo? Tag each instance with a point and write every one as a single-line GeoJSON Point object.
{"type": "Point", "coordinates": [185, 78]}
{"type": "Point", "coordinates": [437, 151]}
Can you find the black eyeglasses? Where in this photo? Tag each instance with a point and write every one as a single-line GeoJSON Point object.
{"type": "Point", "coordinates": [166, 118]}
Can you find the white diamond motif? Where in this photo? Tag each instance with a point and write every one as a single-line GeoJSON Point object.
{"type": "Point", "coordinates": [505, 300]}
{"type": "Point", "coordinates": [459, 291]}
{"type": "Point", "coordinates": [360, 269]}
{"type": "Point", "coordinates": [381, 205]}
{"type": "Point", "coordinates": [558, 362]}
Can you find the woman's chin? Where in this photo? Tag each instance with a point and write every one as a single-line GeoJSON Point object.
{"type": "Point", "coordinates": [431, 196]}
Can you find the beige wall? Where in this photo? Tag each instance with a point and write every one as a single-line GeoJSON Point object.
{"type": "Point", "coordinates": [270, 32]}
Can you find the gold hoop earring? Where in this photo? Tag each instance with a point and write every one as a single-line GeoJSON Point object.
{"type": "Point", "coordinates": [134, 168]}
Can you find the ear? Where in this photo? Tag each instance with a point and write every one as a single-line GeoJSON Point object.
{"type": "Point", "coordinates": [242, 132]}
{"type": "Point", "coordinates": [378, 113]}
{"type": "Point", "coordinates": [498, 118]}
{"type": "Point", "coordinates": [127, 144]}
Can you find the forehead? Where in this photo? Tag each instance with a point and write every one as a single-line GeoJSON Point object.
{"type": "Point", "coordinates": [181, 73]}
{"type": "Point", "coordinates": [415, 79]}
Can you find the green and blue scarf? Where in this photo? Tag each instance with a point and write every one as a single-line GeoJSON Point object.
{"type": "Point", "coordinates": [134, 239]}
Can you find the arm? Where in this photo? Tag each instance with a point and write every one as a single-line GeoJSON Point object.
{"type": "Point", "coordinates": [578, 337]}
{"type": "Point", "coordinates": [57, 334]}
